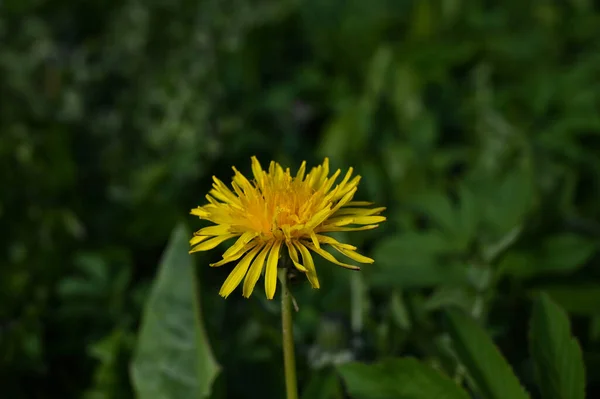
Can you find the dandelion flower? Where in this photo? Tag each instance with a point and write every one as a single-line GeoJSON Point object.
{"type": "Point", "coordinates": [277, 210]}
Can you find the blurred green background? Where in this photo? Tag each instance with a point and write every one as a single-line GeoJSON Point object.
{"type": "Point", "coordinates": [476, 123]}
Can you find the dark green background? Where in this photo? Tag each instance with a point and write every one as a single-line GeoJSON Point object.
{"type": "Point", "coordinates": [475, 122]}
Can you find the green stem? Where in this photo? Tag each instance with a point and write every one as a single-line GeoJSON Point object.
{"type": "Point", "coordinates": [289, 358]}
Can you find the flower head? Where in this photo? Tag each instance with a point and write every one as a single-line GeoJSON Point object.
{"type": "Point", "coordinates": [275, 210]}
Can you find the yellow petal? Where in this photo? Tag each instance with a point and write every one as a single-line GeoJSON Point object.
{"type": "Point", "coordinates": [345, 220]}
{"type": "Point", "coordinates": [301, 171]}
{"type": "Point", "coordinates": [255, 270]}
{"type": "Point", "coordinates": [330, 257]}
{"type": "Point", "coordinates": [328, 183]}
{"type": "Point", "coordinates": [279, 173]}
{"type": "Point", "coordinates": [234, 256]}
{"type": "Point", "coordinates": [238, 190]}
{"type": "Point", "coordinates": [347, 197]}
{"type": "Point", "coordinates": [359, 203]}
{"type": "Point", "coordinates": [318, 218]}
{"type": "Point", "coordinates": [239, 244]}
{"type": "Point", "coordinates": [212, 201]}
{"type": "Point", "coordinates": [224, 198]}
{"type": "Point", "coordinates": [237, 274]}
{"type": "Point", "coordinates": [346, 177]}
{"type": "Point", "coordinates": [315, 174]}
{"type": "Point", "coordinates": [271, 170]}
{"type": "Point", "coordinates": [314, 239]}
{"type": "Point", "coordinates": [271, 271]}
{"type": "Point", "coordinates": [217, 230]}
{"type": "Point", "coordinates": [309, 264]}
{"type": "Point", "coordinates": [200, 212]}
{"type": "Point", "coordinates": [329, 229]}
{"type": "Point", "coordinates": [225, 192]}
{"type": "Point", "coordinates": [258, 172]}
{"type": "Point", "coordinates": [342, 191]}
{"type": "Point", "coordinates": [241, 180]}
{"type": "Point", "coordinates": [355, 256]}
{"type": "Point", "coordinates": [359, 211]}
{"type": "Point", "coordinates": [332, 241]}
{"type": "Point", "coordinates": [294, 256]}
{"type": "Point", "coordinates": [198, 239]}
{"type": "Point", "coordinates": [212, 243]}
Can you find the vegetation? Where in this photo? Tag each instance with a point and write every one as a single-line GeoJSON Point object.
{"type": "Point", "coordinates": [476, 124]}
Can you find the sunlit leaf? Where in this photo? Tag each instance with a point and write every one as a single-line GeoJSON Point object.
{"type": "Point", "coordinates": [173, 358]}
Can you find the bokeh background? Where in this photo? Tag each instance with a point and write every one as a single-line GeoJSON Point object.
{"type": "Point", "coordinates": [476, 123]}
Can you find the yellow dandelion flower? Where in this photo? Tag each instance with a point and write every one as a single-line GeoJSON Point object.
{"type": "Point", "coordinates": [276, 210]}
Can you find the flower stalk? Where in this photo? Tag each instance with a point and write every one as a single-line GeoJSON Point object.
{"type": "Point", "coordinates": [289, 358]}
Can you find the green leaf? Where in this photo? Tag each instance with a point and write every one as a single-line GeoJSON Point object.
{"type": "Point", "coordinates": [411, 260]}
{"type": "Point", "coordinates": [492, 249]}
{"type": "Point", "coordinates": [437, 206]}
{"type": "Point", "coordinates": [579, 299]}
{"type": "Point", "coordinates": [566, 252]}
{"type": "Point", "coordinates": [445, 297]}
{"type": "Point", "coordinates": [561, 253]}
{"type": "Point", "coordinates": [106, 375]}
{"type": "Point", "coordinates": [557, 356]}
{"type": "Point", "coordinates": [173, 358]}
{"type": "Point", "coordinates": [405, 378]}
{"type": "Point", "coordinates": [490, 374]}
{"type": "Point", "coordinates": [507, 204]}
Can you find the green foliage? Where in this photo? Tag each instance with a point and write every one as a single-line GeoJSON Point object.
{"type": "Point", "coordinates": [558, 362]}
{"type": "Point", "coordinates": [490, 373]}
{"type": "Point", "coordinates": [173, 358]}
{"type": "Point", "coordinates": [475, 124]}
{"type": "Point", "coordinates": [581, 299]}
{"type": "Point", "coordinates": [398, 378]}
{"type": "Point", "coordinates": [559, 367]}
{"type": "Point", "coordinates": [324, 384]}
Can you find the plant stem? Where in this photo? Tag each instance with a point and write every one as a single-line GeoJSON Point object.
{"type": "Point", "coordinates": [289, 358]}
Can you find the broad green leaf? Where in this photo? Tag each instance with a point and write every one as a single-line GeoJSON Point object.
{"type": "Point", "coordinates": [557, 254]}
{"type": "Point", "coordinates": [567, 252]}
{"type": "Point", "coordinates": [557, 356]}
{"type": "Point", "coordinates": [411, 260]}
{"type": "Point", "coordinates": [405, 378]}
{"type": "Point", "coordinates": [578, 299]}
{"type": "Point", "coordinates": [508, 202]}
{"type": "Point", "coordinates": [437, 206]}
{"type": "Point", "coordinates": [490, 374]}
{"type": "Point", "coordinates": [173, 358]}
